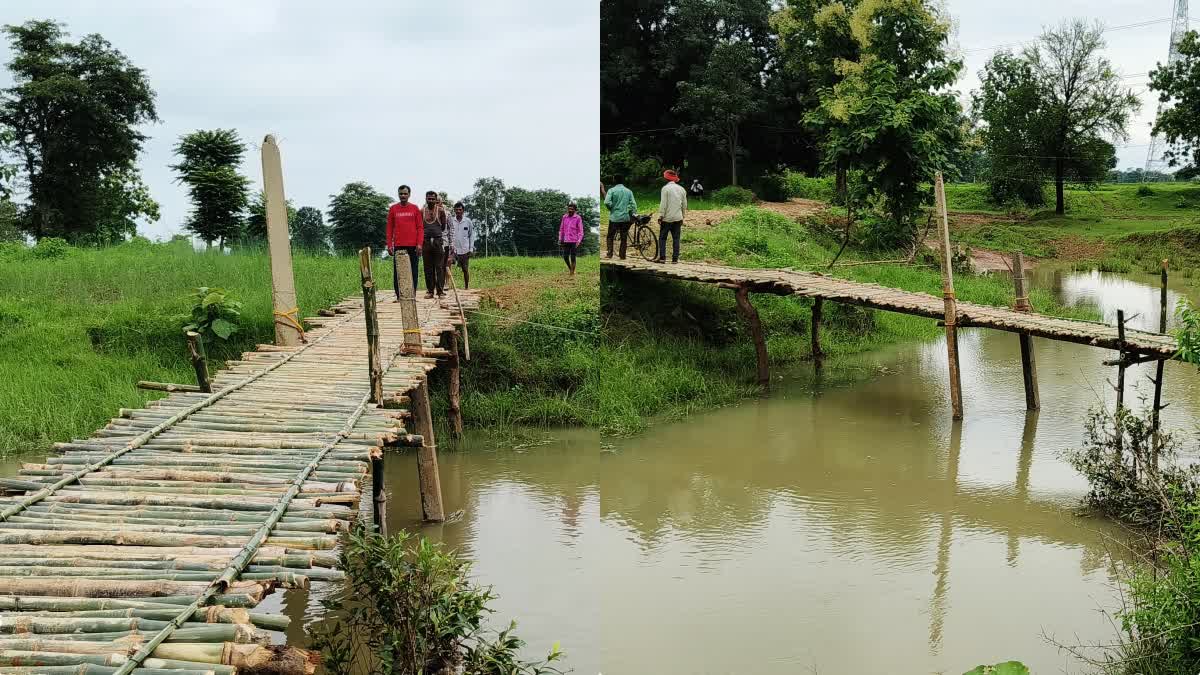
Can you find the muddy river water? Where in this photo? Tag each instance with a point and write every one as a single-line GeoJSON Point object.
{"type": "Point", "coordinates": [830, 528]}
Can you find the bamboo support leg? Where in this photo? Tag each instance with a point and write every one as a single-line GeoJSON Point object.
{"type": "Point", "coordinates": [427, 464]}
{"type": "Point", "coordinates": [1158, 371]}
{"type": "Point", "coordinates": [374, 365]}
{"type": "Point", "coordinates": [199, 361]}
{"type": "Point", "coordinates": [951, 303]}
{"type": "Point", "coordinates": [760, 344]}
{"type": "Point", "coordinates": [1028, 361]}
{"type": "Point", "coordinates": [456, 421]}
{"type": "Point", "coordinates": [817, 354]}
{"type": "Point", "coordinates": [378, 494]}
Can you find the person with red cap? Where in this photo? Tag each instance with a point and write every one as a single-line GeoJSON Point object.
{"type": "Point", "coordinates": [672, 207]}
{"type": "Point", "coordinates": [405, 232]}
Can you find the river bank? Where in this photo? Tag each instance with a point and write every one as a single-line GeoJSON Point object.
{"type": "Point", "coordinates": [80, 327]}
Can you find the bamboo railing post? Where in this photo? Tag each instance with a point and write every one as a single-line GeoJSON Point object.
{"type": "Point", "coordinates": [1158, 372]}
{"type": "Point", "coordinates": [378, 493]}
{"type": "Point", "coordinates": [408, 310]}
{"type": "Point", "coordinates": [427, 464]}
{"type": "Point", "coordinates": [456, 422]}
{"type": "Point", "coordinates": [817, 354]}
{"type": "Point", "coordinates": [1122, 364]}
{"type": "Point", "coordinates": [742, 294]}
{"type": "Point", "coordinates": [462, 318]}
{"type": "Point", "coordinates": [199, 361]}
{"type": "Point", "coordinates": [375, 368]}
{"type": "Point", "coordinates": [1028, 361]}
{"type": "Point", "coordinates": [283, 284]}
{"type": "Point", "coordinates": [951, 303]}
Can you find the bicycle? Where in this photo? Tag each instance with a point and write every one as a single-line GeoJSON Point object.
{"type": "Point", "coordinates": [645, 242]}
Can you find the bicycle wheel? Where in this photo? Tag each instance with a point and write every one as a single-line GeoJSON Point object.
{"type": "Point", "coordinates": [645, 243]}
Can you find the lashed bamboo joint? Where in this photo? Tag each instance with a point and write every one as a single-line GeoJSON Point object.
{"type": "Point", "coordinates": [147, 546]}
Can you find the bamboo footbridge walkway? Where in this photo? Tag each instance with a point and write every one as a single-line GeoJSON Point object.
{"type": "Point", "coordinates": [1133, 346]}
{"type": "Point", "coordinates": [147, 546]}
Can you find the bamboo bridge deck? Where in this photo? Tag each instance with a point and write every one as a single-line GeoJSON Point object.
{"type": "Point", "coordinates": [158, 536]}
{"type": "Point", "coordinates": [813, 285]}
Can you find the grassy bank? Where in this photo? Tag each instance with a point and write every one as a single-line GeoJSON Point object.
{"type": "Point", "coordinates": [79, 329]}
{"type": "Point", "coordinates": [670, 348]}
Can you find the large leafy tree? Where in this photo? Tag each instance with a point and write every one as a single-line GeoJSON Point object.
{"type": "Point", "coordinates": [208, 166]}
{"type": "Point", "coordinates": [531, 219]}
{"type": "Point", "coordinates": [1065, 104]}
{"type": "Point", "coordinates": [892, 115]}
{"type": "Point", "coordinates": [486, 207]}
{"type": "Point", "coordinates": [123, 200]}
{"type": "Point", "coordinates": [722, 97]}
{"type": "Point", "coordinates": [309, 231]}
{"type": "Point", "coordinates": [589, 210]}
{"type": "Point", "coordinates": [74, 112]}
{"type": "Point", "coordinates": [1180, 124]}
{"type": "Point", "coordinates": [358, 217]}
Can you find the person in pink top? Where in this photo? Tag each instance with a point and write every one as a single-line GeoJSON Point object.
{"type": "Point", "coordinates": [570, 233]}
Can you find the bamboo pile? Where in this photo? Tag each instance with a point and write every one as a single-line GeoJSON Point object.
{"type": "Point", "coordinates": [875, 296]}
{"type": "Point", "coordinates": [149, 545]}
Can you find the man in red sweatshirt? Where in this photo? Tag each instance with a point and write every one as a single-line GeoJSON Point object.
{"type": "Point", "coordinates": [405, 232]}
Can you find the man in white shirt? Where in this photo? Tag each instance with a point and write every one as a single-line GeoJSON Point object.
{"type": "Point", "coordinates": [672, 207]}
{"type": "Point", "coordinates": [462, 241]}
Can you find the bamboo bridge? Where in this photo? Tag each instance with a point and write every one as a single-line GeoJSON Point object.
{"type": "Point", "coordinates": [147, 546]}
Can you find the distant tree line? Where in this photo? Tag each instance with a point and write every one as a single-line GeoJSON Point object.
{"type": "Point", "coordinates": [70, 139]}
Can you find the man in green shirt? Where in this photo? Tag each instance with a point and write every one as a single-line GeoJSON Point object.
{"type": "Point", "coordinates": [621, 209]}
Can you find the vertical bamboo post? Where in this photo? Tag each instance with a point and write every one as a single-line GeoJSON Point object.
{"type": "Point", "coordinates": [951, 303]}
{"type": "Point", "coordinates": [408, 310]}
{"type": "Point", "coordinates": [742, 294]}
{"type": "Point", "coordinates": [283, 284]}
{"type": "Point", "coordinates": [817, 354]}
{"type": "Point", "coordinates": [427, 464]}
{"type": "Point", "coordinates": [456, 421]}
{"type": "Point", "coordinates": [374, 364]}
{"type": "Point", "coordinates": [1028, 361]}
{"type": "Point", "coordinates": [199, 361]}
{"type": "Point", "coordinates": [1121, 365]}
{"type": "Point", "coordinates": [1158, 372]}
{"type": "Point", "coordinates": [378, 493]}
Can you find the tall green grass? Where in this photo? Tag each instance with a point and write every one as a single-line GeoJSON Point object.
{"type": "Point", "coordinates": [78, 331]}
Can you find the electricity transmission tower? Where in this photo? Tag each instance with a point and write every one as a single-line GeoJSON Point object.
{"type": "Point", "coordinates": [1179, 26]}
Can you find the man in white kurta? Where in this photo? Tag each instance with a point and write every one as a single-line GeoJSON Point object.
{"type": "Point", "coordinates": [462, 241]}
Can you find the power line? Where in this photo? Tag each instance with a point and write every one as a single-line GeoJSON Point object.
{"type": "Point", "coordinates": [1140, 24]}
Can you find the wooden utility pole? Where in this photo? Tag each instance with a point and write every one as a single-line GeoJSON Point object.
{"type": "Point", "coordinates": [374, 364]}
{"type": "Point", "coordinates": [951, 302]}
{"type": "Point", "coordinates": [288, 330]}
{"type": "Point", "coordinates": [427, 465]}
{"type": "Point", "coordinates": [199, 361]}
{"type": "Point", "coordinates": [1028, 362]}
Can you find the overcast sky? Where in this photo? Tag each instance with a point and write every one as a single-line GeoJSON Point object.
{"type": "Point", "coordinates": [1133, 52]}
{"type": "Point", "coordinates": [432, 94]}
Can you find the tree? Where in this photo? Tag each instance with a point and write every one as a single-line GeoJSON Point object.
{"type": "Point", "coordinates": [209, 161]}
{"type": "Point", "coordinates": [1069, 103]}
{"type": "Point", "coordinates": [1180, 124]}
{"type": "Point", "coordinates": [892, 115]}
{"type": "Point", "coordinates": [254, 231]}
{"type": "Point", "coordinates": [122, 201]}
{"type": "Point", "coordinates": [726, 94]}
{"type": "Point", "coordinates": [589, 210]}
{"type": "Point", "coordinates": [486, 207]}
{"type": "Point", "coordinates": [74, 112]}
{"type": "Point", "coordinates": [10, 229]}
{"type": "Point", "coordinates": [309, 232]}
{"type": "Point", "coordinates": [358, 216]}
{"type": "Point", "coordinates": [531, 219]}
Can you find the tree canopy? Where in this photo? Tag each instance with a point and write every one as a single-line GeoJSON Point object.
{"type": "Point", "coordinates": [358, 217]}
{"type": "Point", "coordinates": [74, 113]}
{"type": "Point", "coordinates": [1180, 124]}
{"type": "Point", "coordinates": [208, 165]}
{"type": "Point", "coordinates": [309, 231]}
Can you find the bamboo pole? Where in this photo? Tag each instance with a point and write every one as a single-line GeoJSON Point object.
{"type": "Point", "coordinates": [1028, 360]}
{"type": "Point", "coordinates": [166, 386]}
{"type": "Point", "coordinates": [199, 361]}
{"type": "Point", "coordinates": [1158, 369]}
{"type": "Point", "coordinates": [951, 303]}
{"type": "Point", "coordinates": [378, 494]}
{"type": "Point", "coordinates": [454, 389]}
{"type": "Point", "coordinates": [408, 312]}
{"type": "Point", "coordinates": [369, 311]}
{"type": "Point", "coordinates": [817, 353]}
{"type": "Point", "coordinates": [283, 285]}
{"type": "Point", "coordinates": [461, 317]}
{"type": "Point", "coordinates": [747, 310]}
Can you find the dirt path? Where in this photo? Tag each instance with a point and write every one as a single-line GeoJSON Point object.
{"type": "Point", "coordinates": [796, 209]}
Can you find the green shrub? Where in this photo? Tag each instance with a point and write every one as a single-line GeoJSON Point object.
{"type": "Point", "coordinates": [818, 188]}
{"type": "Point", "coordinates": [51, 248]}
{"type": "Point", "coordinates": [1145, 191]}
{"type": "Point", "coordinates": [733, 195]}
{"type": "Point", "coordinates": [215, 314]}
{"type": "Point", "coordinates": [773, 186]}
{"type": "Point", "coordinates": [625, 160]}
{"type": "Point", "coordinates": [409, 606]}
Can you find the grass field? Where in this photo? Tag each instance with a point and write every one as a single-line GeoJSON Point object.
{"type": "Point", "coordinates": [671, 348]}
{"type": "Point", "coordinates": [78, 331]}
